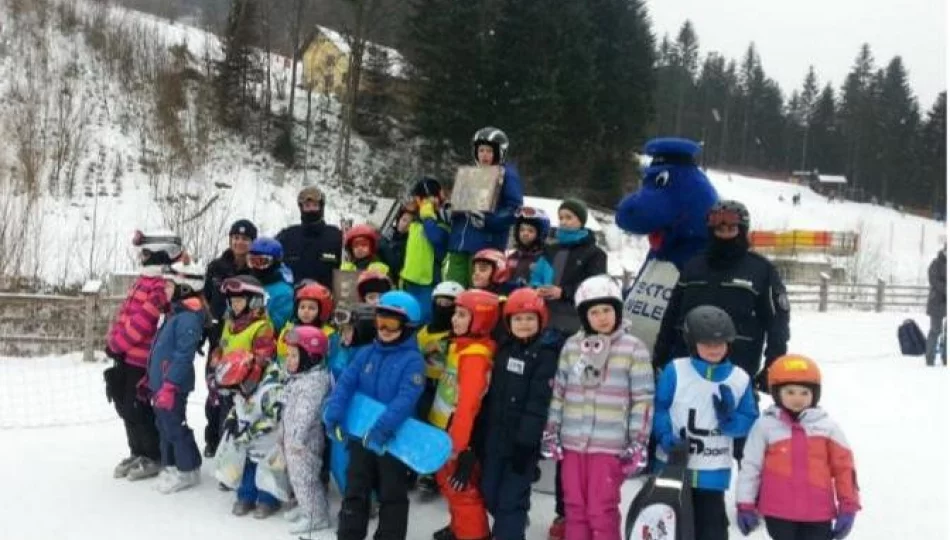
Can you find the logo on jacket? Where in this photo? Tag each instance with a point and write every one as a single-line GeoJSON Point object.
{"type": "Point", "coordinates": [516, 366]}
{"type": "Point", "coordinates": [697, 446]}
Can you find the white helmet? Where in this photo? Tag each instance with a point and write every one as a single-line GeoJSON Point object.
{"type": "Point", "coordinates": [449, 289]}
{"type": "Point", "coordinates": [160, 247]}
{"type": "Point", "coordinates": [190, 278]}
{"type": "Point", "coordinates": [601, 289]}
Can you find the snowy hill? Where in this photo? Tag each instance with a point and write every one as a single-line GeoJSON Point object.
{"type": "Point", "coordinates": [894, 246]}
{"type": "Point", "coordinates": [90, 162]}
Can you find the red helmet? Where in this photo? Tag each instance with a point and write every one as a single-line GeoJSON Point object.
{"type": "Point", "coordinates": [310, 339]}
{"type": "Point", "coordinates": [362, 231]}
{"type": "Point", "coordinates": [319, 294]}
{"type": "Point", "coordinates": [483, 306]}
{"type": "Point", "coordinates": [526, 300]}
{"type": "Point", "coordinates": [501, 273]}
{"type": "Point", "coordinates": [237, 370]}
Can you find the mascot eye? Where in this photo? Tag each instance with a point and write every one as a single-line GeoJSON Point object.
{"type": "Point", "coordinates": [663, 179]}
{"type": "Point", "coordinates": [597, 347]}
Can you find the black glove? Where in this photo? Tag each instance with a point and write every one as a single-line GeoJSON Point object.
{"type": "Point", "coordinates": [116, 357]}
{"type": "Point", "coordinates": [465, 464]}
{"type": "Point", "coordinates": [113, 383]}
{"type": "Point", "coordinates": [522, 457]}
{"type": "Point", "coordinates": [230, 426]}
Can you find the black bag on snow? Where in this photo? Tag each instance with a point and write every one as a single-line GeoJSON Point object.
{"type": "Point", "coordinates": [663, 509]}
{"type": "Point", "coordinates": [911, 339]}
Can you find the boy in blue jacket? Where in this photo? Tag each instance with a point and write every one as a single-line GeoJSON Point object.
{"type": "Point", "coordinates": [391, 371]}
{"type": "Point", "coordinates": [474, 231]}
{"type": "Point", "coordinates": [705, 401]}
{"type": "Point", "coordinates": [171, 376]}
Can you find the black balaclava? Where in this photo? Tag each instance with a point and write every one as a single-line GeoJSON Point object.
{"type": "Point", "coordinates": [441, 317]}
{"type": "Point", "coordinates": [722, 253]}
{"type": "Point", "coordinates": [314, 217]}
{"type": "Point", "coordinates": [269, 275]}
{"type": "Point", "coordinates": [308, 361]}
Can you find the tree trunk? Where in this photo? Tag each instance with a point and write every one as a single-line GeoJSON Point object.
{"type": "Point", "coordinates": [295, 42]}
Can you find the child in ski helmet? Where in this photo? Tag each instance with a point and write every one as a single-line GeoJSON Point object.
{"type": "Point", "coordinates": [313, 307]}
{"type": "Point", "coordinates": [490, 271]}
{"type": "Point", "coordinates": [819, 500]}
{"type": "Point", "coordinates": [128, 343]}
{"type": "Point", "coordinates": [532, 226]}
{"type": "Point", "coordinates": [362, 248]}
{"type": "Point", "coordinates": [389, 370]}
{"type": "Point", "coordinates": [301, 436]}
{"type": "Point", "coordinates": [425, 245]}
{"type": "Point", "coordinates": [516, 412]}
{"type": "Point", "coordinates": [603, 373]}
{"type": "Point", "coordinates": [171, 375]}
{"type": "Point", "coordinates": [434, 339]}
{"type": "Point", "coordinates": [371, 285]}
{"type": "Point", "coordinates": [265, 259]}
{"type": "Point", "coordinates": [458, 401]}
{"type": "Point", "coordinates": [704, 400]}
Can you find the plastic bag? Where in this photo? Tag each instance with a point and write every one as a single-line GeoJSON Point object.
{"type": "Point", "coordinates": [229, 462]}
{"type": "Point", "coordinates": [271, 475]}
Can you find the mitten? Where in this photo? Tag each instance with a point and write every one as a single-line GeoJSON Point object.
{"type": "Point", "coordinates": [842, 526]}
{"type": "Point", "coordinates": [633, 459]}
{"type": "Point", "coordinates": [748, 519]}
{"type": "Point", "coordinates": [724, 403]}
{"type": "Point", "coordinates": [465, 465]}
{"type": "Point", "coordinates": [165, 397]}
{"type": "Point", "coordinates": [551, 446]}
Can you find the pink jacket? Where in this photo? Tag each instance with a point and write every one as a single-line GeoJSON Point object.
{"type": "Point", "coordinates": [137, 322]}
{"type": "Point", "coordinates": [797, 471]}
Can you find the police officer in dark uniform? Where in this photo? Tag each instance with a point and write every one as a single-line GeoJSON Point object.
{"type": "Point", "coordinates": [742, 283]}
{"type": "Point", "coordinates": [313, 248]}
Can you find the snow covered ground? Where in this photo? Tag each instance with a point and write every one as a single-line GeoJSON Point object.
{"type": "Point", "coordinates": [61, 440]}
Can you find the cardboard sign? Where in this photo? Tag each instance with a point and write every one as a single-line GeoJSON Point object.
{"type": "Point", "coordinates": [344, 288]}
{"type": "Point", "coordinates": [645, 305]}
{"type": "Point", "coordinates": [476, 189]}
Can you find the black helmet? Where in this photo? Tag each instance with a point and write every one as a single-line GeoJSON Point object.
{"type": "Point", "coordinates": [427, 187]}
{"type": "Point", "coordinates": [708, 323]}
{"type": "Point", "coordinates": [729, 212]}
{"type": "Point", "coordinates": [493, 137]}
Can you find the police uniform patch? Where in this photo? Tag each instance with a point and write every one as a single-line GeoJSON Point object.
{"type": "Point", "coordinates": [417, 379]}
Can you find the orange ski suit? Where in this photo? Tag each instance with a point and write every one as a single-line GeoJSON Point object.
{"type": "Point", "coordinates": [472, 358]}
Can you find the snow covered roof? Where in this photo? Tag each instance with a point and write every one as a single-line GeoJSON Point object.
{"type": "Point", "coordinates": [550, 207]}
{"type": "Point", "coordinates": [832, 179]}
{"type": "Point", "coordinates": [398, 66]}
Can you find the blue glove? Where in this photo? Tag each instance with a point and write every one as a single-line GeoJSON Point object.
{"type": "Point", "coordinates": [842, 526]}
{"type": "Point", "coordinates": [748, 520]}
{"type": "Point", "coordinates": [724, 403]}
{"type": "Point", "coordinates": [669, 441]}
{"type": "Point", "coordinates": [333, 428]}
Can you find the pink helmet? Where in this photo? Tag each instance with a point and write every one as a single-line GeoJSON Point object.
{"type": "Point", "coordinates": [309, 338]}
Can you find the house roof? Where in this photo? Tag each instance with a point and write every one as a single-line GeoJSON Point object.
{"type": "Point", "coordinates": [398, 66]}
{"type": "Point", "coordinates": [832, 179]}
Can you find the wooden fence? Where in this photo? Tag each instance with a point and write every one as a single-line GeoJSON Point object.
{"type": "Point", "coordinates": [861, 296]}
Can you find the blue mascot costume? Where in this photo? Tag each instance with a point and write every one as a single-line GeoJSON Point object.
{"type": "Point", "coordinates": [670, 208]}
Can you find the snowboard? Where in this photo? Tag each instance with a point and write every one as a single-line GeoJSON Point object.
{"type": "Point", "coordinates": [422, 447]}
{"type": "Point", "coordinates": [663, 509]}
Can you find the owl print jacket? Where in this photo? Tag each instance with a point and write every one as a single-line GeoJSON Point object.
{"type": "Point", "coordinates": [602, 399]}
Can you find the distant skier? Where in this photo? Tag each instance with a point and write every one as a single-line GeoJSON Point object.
{"type": "Point", "coordinates": [937, 305]}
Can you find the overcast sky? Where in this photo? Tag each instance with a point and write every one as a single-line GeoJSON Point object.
{"type": "Point", "coordinates": [791, 34]}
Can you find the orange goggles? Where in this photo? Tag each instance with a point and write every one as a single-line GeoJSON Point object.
{"type": "Point", "coordinates": [723, 217]}
{"type": "Point", "coordinates": [259, 262]}
{"type": "Point", "coordinates": [389, 324]}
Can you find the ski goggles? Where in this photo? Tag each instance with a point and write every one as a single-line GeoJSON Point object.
{"type": "Point", "coordinates": [388, 323]}
{"type": "Point", "coordinates": [140, 239]}
{"type": "Point", "coordinates": [529, 212]}
{"type": "Point", "coordinates": [237, 287]}
{"type": "Point", "coordinates": [342, 317]}
{"type": "Point", "coordinates": [444, 301]}
{"type": "Point", "coordinates": [260, 262]}
{"type": "Point", "coordinates": [723, 216]}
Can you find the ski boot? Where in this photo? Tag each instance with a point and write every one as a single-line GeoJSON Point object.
{"type": "Point", "coordinates": [445, 533]}
{"type": "Point", "coordinates": [306, 526]}
{"type": "Point", "coordinates": [178, 480]}
{"type": "Point", "coordinates": [242, 508]}
{"type": "Point", "coordinates": [122, 469]}
{"type": "Point", "coordinates": [144, 468]}
{"type": "Point", "coordinates": [556, 532]}
{"type": "Point", "coordinates": [264, 511]}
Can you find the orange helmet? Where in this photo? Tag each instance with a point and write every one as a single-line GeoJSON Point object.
{"type": "Point", "coordinates": [500, 273]}
{"type": "Point", "coordinates": [526, 300]}
{"type": "Point", "coordinates": [319, 294]}
{"type": "Point", "coordinates": [362, 231]}
{"type": "Point", "coordinates": [483, 306]}
{"type": "Point", "coordinates": [794, 369]}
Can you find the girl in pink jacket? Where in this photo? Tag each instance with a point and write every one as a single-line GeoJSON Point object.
{"type": "Point", "coordinates": [797, 471]}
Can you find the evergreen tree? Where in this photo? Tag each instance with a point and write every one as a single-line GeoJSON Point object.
{"type": "Point", "coordinates": [932, 157]}
{"type": "Point", "coordinates": [825, 144]}
{"type": "Point", "coordinates": [855, 119]}
{"type": "Point", "coordinates": [898, 118]}
{"type": "Point", "coordinates": [687, 59]}
{"type": "Point", "coordinates": [237, 68]}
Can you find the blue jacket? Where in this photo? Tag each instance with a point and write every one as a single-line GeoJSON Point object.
{"type": "Point", "coordinates": [280, 302]}
{"type": "Point", "coordinates": [173, 352]}
{"type": "Point", "coordinates": [466, 238]}
{"type": "Point", "coordinates": [394, 375]}
{"type": "Point", "coordinates": [747, 411]}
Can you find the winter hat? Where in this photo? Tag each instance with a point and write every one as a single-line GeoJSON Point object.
{"type": "Point", "coordinates": [576, 207]}
{"type": "Point", "coordinates": [243, 227]}
{"type": "Point", "coordinates": [427, 187]}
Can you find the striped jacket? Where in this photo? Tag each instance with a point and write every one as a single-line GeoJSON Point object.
{"type": "Point", "coordinates": [135, 326]}
{"type": "Point", "coordinates": [797, 470]}
{"type": "Point", "coordinates": [611, 414]}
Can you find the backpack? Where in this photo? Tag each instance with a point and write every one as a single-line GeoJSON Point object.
{"type": "Point", "coordinates": [663, 509]}
{"type": "Point", "coordinates": [911, 339]}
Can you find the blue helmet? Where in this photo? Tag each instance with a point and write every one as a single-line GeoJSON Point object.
{"type": "Point", "coordinates": [535, 217]}
{"type": "Point", "coordinates": [267, 246]}
{"type": "Point", "coordinates": [403, 304]}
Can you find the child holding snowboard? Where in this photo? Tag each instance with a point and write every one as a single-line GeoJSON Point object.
{"type": "Point", "coordinates": [390, 371]}
{"type": "Point", "coordinates": [457, 404]}
{"type": "Point", "coordinates": [171, 376]}
{"type": "Point", "coordinates": [599, 420]}
{"type": "Point", "coordinates": [707, 401]}
{"type": "Point", "coordinates": [818, 500]}
{"type": "Point", "coordinates": [517, 411]}
{"type": "Point", "coordinates": [301, 435]}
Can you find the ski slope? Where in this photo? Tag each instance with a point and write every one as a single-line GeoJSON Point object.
{"type": "Point", "coordinates": [894, 246]}
{"type": "Point", "coordinates": [58, 478]}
